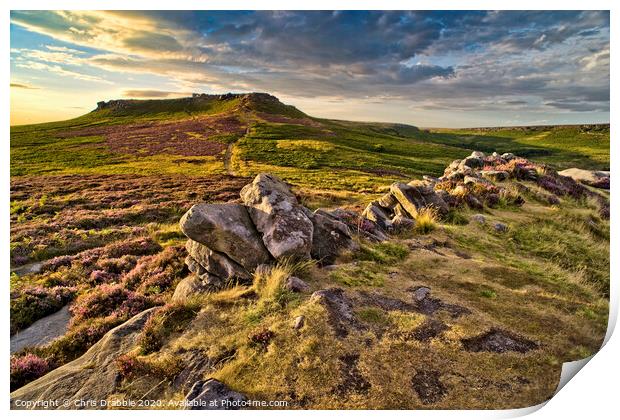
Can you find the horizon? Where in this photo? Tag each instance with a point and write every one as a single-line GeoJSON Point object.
{"type": "Point", "coordinates": [334, 119]}
{"type": "Point", "coordinates": [439, 69]}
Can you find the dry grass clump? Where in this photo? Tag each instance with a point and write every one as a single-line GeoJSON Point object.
{"type": "Point", "coordinates": [426, 220]}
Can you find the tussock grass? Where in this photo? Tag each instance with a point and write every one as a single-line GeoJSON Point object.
{"type": "Point", "coordinates": [426, 220]}
{"type": "Point", "coordinates": [269, 282]}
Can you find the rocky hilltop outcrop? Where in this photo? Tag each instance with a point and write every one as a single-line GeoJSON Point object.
{"type": "Point", "coordinates": [248, 100]}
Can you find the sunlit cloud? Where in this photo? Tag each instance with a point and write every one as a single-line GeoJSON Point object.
{"type": "Point", "coordinates": [22, 86]}
{"type": "Point", "coordinates": [486, 64]}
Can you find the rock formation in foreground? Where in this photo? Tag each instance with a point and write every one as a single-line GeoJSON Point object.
{"type": "Point", "coordinates": [228, 242]}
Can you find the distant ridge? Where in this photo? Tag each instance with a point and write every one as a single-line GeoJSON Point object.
{"type": "Point", "coordinates": [199, 103]}
{"type": "Point", "coordinates": [584, 127]}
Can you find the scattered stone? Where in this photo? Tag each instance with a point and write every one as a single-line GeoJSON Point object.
{"type": "Point", "coordinates": [226, 228]}
{"type": "Point", "coordinates": [500, 227]}
{"type": "Point", "coordinates": [285, 228]}
{"type": "Point", "coordinates": [508, 156]}
{"type": "Point", "coordinates": [297, 285]}
{"type": "Point", "coordinates": [375, 213]}
{"type": "Point", "coordinates": [300, 321]}
{"type": "Point", "coordinates": [492, 200]}
{"type": "Point", "coordinates": [496, 176]}
{"type": "Point", "coordinates": [387, 201]}
{"type": "Point", "coordinates": [473, 162]}
{"type": "Point", "coordinates": [498, 341]}
{"type": "Point", "coordinates": [427, 385]}
{"type": "Point", "coordinates": [479, 218]}
{"type": "Point", "coordinates": [473, 202]}
{"type": "Point", "coordinates": [415, 197]}
{"type": "Point", "coordinates": [402, 224]}
{"type": "Point", "coordinates": [213, 395]}
{"type": "Point", "coordinates": [408, 197]}
{"type": "Point", "coordinates": [421, 293]}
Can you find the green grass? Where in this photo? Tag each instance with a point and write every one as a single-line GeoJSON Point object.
{"type": "Point", "coordinates": [343, 155]}
{"type": "Point", "coordinates": [561, 146]}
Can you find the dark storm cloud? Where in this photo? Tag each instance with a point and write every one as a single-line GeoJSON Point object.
{"type": "Point", "coordinates": [505, 59]}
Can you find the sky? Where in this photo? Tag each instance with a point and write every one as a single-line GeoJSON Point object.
{"type": "Point", "coordinates": [429, 68]}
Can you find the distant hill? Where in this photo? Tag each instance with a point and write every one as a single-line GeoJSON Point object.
{"type": "Point", "coordinates": [247, 133]}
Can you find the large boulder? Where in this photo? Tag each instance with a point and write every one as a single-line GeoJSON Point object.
{"type": "Point", "coordinates": [473, 161]}
{"type": "Point", "coordinates": [377, 214]}
{"type": "Point", "coordinates": [408, 197]}
{"type": "Point", "coordinates": [191, 286]}
{"type": "Point", "coordinates": [387, 201]}
{"type": "Point", "coordinates": [452, 167]}
{"type": "Point", "coordinates": [331, 237]}
{"type": "Point", "coordinates": [216, 263]}
{"type": "Point", "coordinates": [226, 228]}
{"type": "Point", "coordinates": [416, 197]}
{"type": "Point", "coordinates": [91, 377]}
{"type": "Point", "coordinates": [285, 228]}
{"type": "Point", "coordinates": [356, 224]}
{"type": "Point", "coordinates": [598, 179]}
{"type": "Point", "coordinates": [213, 395]}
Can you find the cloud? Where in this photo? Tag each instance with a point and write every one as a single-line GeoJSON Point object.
{"type": "Point", "coordinates": [22, 86]}
{"type": "Point", "coordinates": [58, 70]}
{"type": "Point", "coordinates": [478, 60]}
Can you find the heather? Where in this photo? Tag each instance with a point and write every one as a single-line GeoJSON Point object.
{"type": "Point", "coordinates": [435, 299]}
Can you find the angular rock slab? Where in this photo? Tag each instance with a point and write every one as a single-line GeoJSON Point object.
{"type": "Point", "coordinates": [91, 376]}
{"type": "Point", "coordinates": [216, 263]}
{"type": "Point", "coordinates": [374, 212]}
{"type": "Point", "coordinates": [213, 395]}
{"type": "Point", "coordinates": [226, 228]}
{"type": "Point", "coordinates": [285, 228]}
{"type": "Point", "coordinates": [414, 197]}
{"type": "Point", "coordinates": [598, 179]}
{"type": "Point", "coordinates": [330, 238]}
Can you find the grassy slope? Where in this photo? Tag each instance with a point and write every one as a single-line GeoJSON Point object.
{"type": "Point", "coordinates": [528, 274]}
{"type": "Point", "coordinates": [344, 155]}
{"type": "Point", "coordinates": [551, 268]}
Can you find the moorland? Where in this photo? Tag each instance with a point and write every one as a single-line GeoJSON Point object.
{"type": "Point", "coordinates": [95, 209]}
